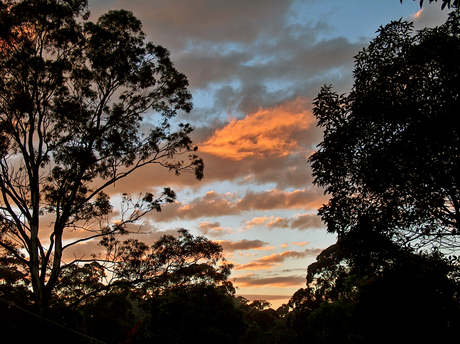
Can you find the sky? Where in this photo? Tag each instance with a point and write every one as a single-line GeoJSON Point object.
{"type": "Point", "coordinates": [254, 68]}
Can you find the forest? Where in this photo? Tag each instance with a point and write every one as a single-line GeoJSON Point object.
{"type": "Point", "coordinates": [72, 98]}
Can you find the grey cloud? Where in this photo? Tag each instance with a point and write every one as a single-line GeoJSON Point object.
{"type": "Point", "coordinates": [213, 229]}
{"type": "Point", "coordinates": [279, 281]}
{"type": "Point", "coordinates": [290, 69]}
{"type": "Point", "coordinates": [275, 199]}
{"type": "Point", "coordinates": [241, 245]}
{"type": "Point", "coordinates": [268, 262]}
{"type": "Point", "coordinates": [214, 204]}
{"type": "Point", "coordinates": [305, 221]}
{"type": "Point", "coordinates": [300, 222]}
{"type": "Point", "coordinates": [246, 41]}
{"type": "Point", "coordinates": [290, 171]}
{"type": "Point", "coordinates": [180, 22]}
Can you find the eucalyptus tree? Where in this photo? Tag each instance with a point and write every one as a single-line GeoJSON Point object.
{"type": "Point", "coordinates": [74, 95]}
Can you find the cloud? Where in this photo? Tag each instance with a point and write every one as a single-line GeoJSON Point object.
{"type": "Point", "coordinates": [306, 221]}
{"type": "Point", "coordinates": [278, 199]}
{"type": "Point", "coordinates": [258, 67]}
{"type": "Point", "coordinates": [266, 297]}
{"type": "Point", "coordinates": [428, 16]}
{"type": "Point", "coordinates": [279, 222]}
{"type": "Point", "coordinates": [263, 134]}
{"type": "Point", "coordinates": [303, 243]}
{"type": "Point", "coordinates": [281, 257]}
{"type": "Point", "coordinates": [291, 171]}
{"type": "Point", "coordinates": [268, 262]}
{"type": "Point", "coordinates": [213, 229]}
{"type": "Point", "coordinates": [84, 249]}
{"type": "Point", "coordinates": [215, 204]}
{"type": "Point", "coordinates": [251, 280]}
{"type": "Point", "coordinates": [293, 57]}
{"type": "Point", "coordinates": [231, 246]}
{"type": "Point", "coordinates": [255, 222]}
{"type": "Point", "coordinates": [209, 31]}
{"type": "Point", "coordinates": [298, 221]}
{"type": "Point", "coordinates": [180, 22]}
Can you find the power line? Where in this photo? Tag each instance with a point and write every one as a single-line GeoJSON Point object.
{"type": "Point", "coordinates": [10, 304]}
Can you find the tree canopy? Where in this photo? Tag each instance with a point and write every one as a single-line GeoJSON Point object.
{"type": "Point", "coordinates": [73, 97]}
{"type": "Point", "coordinates": [390, 157]}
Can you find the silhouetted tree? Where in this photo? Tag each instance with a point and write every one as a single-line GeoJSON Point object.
{"type": "Point", "coordinates": [390, 161]}
{"type": "Point", "coordinates": [390, 157]}
{"type": "Point", "coordinates": [387, 293]}
{"type": "Point", "coordinates": [73, 95]}
{"type": "Point", "coordinates": [87, 300]}
{"type": "Point", "coordinates": [170, 262]}
{"type": "Point", "coordinates": [264, 324]}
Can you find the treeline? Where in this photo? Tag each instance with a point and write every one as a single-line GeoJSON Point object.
{"type": "Point", "coordinates": [398, 296]}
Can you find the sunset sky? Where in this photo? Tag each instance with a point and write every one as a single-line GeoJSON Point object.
{"type": "Point", "coordinates": [254, 67]}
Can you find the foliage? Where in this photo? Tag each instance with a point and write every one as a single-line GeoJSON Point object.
{"type": "Point", "coordinates": [171, 262]}
{"type": "Point", "coordinates": [14, 281]}
{"type": "Point", "coordinates": [264, 324]}
{"type": "Point", "coordinates": [211, 314]}
{"type": "Point", "coordinates": [398, 293]}
{"type": "Point", "coordinates": [390, 153]}
{"type": "Point", "coordinates": [198, 314]}
{"type": "Point", "coordinates": [110, 317]}
{"type": "Point", "coordinates": [73, 96]}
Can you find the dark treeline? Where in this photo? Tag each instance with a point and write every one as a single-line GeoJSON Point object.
{"type": "Point", "coordinates": [389, 161]}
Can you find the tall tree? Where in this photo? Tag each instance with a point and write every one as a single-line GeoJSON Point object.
{"type": "Point", "coordinates": [390, 155]}
{"type": "Point", "coordinates": [73, 95]}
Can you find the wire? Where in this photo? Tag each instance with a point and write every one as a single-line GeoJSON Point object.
{"type": "Point", "coordinates": [10, 304]}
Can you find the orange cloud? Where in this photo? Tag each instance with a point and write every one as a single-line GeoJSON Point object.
{"type": "Point", "coordinates": [303, 243]}
{"type": "Point", "coordinates": [418, 14]}
{"type": "Point", "coordinates": [265, 133]}
{"type": "Point", "coordinates": [255, 222]}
